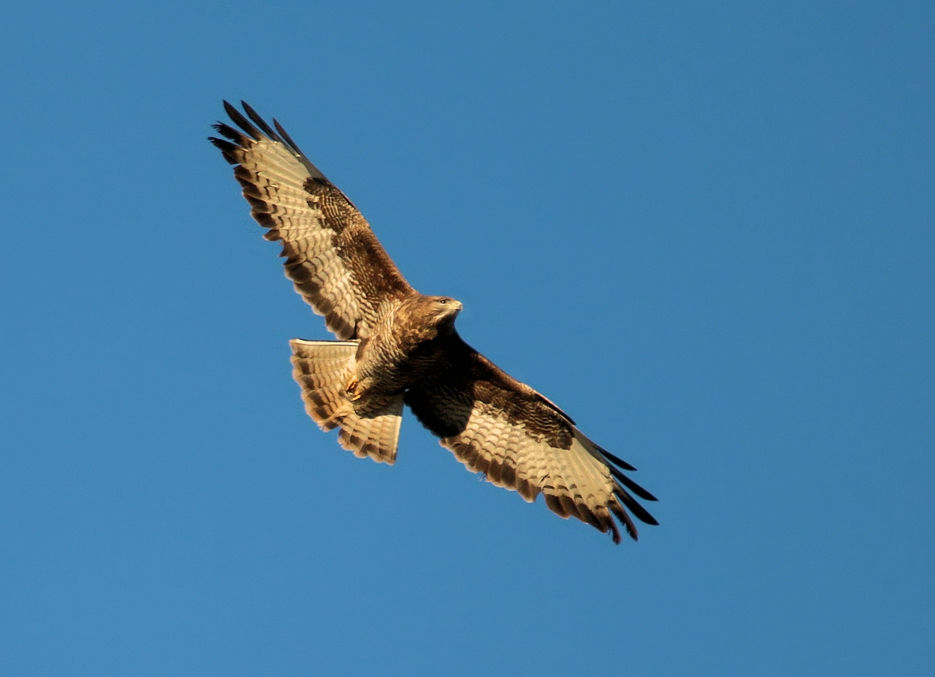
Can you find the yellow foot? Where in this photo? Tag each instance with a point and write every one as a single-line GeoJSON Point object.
{"type": "Point", "coordinates": [351, 390]}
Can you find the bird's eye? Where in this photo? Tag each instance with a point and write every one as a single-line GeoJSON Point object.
{"type": "Point", "coordinates": [443, 301]}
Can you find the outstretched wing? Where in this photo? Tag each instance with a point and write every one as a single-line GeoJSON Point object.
{"type": "Point", "coordinates": [332, 256]}
{"type": "Point", "coordinates": [498, 426]}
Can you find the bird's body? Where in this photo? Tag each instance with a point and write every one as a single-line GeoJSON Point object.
{"type": "Point", "coordinates": [407, 341]}
{"type": "Point", "coordinates": [398, 347]}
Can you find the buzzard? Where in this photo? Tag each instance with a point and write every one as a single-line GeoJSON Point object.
{"type": "Point", "coordinates": [397, 346]}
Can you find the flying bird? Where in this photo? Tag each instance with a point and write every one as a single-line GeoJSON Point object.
{"type": "Point", "coordinates": [398, 347]}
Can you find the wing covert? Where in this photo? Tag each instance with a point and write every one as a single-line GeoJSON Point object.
{"type": "Point", "coordinates": [521, 441]}
{"type": "Point", "coordinates": [332, 256]}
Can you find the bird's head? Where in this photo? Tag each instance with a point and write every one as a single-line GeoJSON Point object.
{"type": "Point", "coordinates": [435, 314]}
{"type": "Point", "coordinates": [442, 310]}
{"type": "Point", "coordinates": [427, 317]}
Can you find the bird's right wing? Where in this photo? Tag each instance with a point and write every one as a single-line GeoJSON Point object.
{"type": "Point", "coordinates": [520, 440]}
{"type": "Point", "coordinates": [332, 256]}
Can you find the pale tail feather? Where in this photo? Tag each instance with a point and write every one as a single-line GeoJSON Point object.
{"type": "Point", "coordinates": [322, 370]}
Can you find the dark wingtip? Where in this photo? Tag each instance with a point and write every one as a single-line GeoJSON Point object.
{"type": "Point", "coordinates": [256, 128]}
{"type": "Point", "coordinates": [622, 515]}
{"type": "Point", "coordinates": [631, 485]}
{"type": "Point", "coordinates": [242, 122]}
{"type": "Point", "coordinates": [228, 149]}
{"type": "Point", "coordinates": [630, 504]}
{"type": "Point", "coordinates": [285, 136]}
{"type": "Point", "coordinates": [229, 109]}
{"type": "Point", "coordinates": [616, 459]}
{"type": "Point", "coordinates": [260, 122]}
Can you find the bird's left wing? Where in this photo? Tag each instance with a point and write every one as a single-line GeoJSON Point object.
{"type": "Point", "coordinates": [521, 441]}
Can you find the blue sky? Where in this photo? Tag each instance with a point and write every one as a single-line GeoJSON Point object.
{"type": "Point", "coordinates": [706, 232]}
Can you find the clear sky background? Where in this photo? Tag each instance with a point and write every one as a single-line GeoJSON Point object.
{"type": "Point", "coordinates": [706, 230]}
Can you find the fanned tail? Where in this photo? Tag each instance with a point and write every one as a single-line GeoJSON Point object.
{"type": "Point", "coordinates": [322, 369]}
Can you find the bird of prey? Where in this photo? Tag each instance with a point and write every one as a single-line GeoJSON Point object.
{"type": "Point", "coordinates": [398, 347]}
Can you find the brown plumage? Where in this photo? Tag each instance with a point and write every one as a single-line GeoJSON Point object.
{"type": "Point", "coordinates": [400, 347]}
